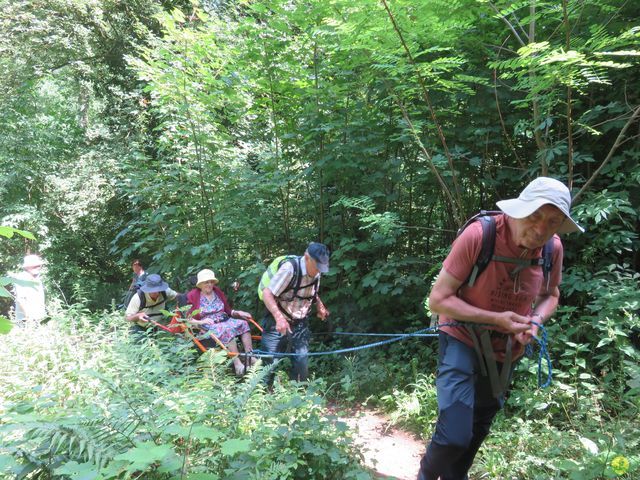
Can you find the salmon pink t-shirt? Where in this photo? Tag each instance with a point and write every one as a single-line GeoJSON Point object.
{"type": "Point", "coordinates": [497, 289]}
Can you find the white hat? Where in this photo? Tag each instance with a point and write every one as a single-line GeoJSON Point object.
{"type": "Point", "coordinates": [31, 261]}
{"type": "Point", "coordinates": [542, 191]}
{"type": "Point", "coordinates": [204, 276]}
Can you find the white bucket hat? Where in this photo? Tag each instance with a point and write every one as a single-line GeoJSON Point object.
{"type": "Point", "coordinates": [204, 276]}
{"type": "Point", "coordinates": [542, 191]}
{"type": "Point", "coordinates": [31, 261]}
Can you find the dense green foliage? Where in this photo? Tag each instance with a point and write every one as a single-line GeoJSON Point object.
{"type": "Point", "coordinates": [69, 410]}
{"type": "Point", "coordinates": [223, 134]}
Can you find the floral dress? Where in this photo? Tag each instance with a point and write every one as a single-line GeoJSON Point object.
{"type": "Point", "coordinates": [219, 323]}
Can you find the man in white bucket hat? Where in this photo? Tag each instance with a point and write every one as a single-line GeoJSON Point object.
{"type": "Point", "coordinates": [540, 192]}
{"type": "Point", "coordinates": [29, 293]}
{"type": "Point", "coordinates": [487, 314]}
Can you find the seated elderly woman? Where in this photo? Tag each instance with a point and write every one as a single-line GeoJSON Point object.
{"type": "Point", "coordinates": [216, 316]}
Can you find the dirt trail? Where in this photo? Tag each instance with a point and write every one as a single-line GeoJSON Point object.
{"type": "Point", "coordinates": [391, 453]}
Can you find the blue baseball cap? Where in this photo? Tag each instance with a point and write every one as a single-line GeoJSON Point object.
{"type": "Point", "coordinates": [320, 253]}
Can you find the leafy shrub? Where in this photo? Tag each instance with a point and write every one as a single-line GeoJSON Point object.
{"type": "Point", "coordinates": [531, 449]}
{"type": "Point", "coordinates": [415, 407]}
{"type": "Point", "coordinates": [80, 400]}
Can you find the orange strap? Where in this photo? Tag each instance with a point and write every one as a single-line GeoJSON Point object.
{"type": "Point", "coordinates": [257, 326]}
{"type": "Point", "coordinates": [216, 339]}
{"type": "Point", "coordinates": [195, 340]}
{"type": "Point", "coordinates": [222, 345]}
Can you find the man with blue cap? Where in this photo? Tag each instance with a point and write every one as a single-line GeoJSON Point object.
{"type": "Point", "coordinates": [289, 295]}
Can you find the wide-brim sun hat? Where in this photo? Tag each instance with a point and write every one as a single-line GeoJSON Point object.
{"type": "Point", "coordinates": [204, 276]}
{"type": "Point", "coordinates": [31, 261]}
{"type": "Point", "coordinates": [542, 191]}
{"type": "Point", "coordinates": [154, 283]}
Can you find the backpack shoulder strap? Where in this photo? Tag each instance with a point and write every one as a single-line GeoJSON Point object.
{"type": "Point", "coordinates": [547, 261]}
{"type": "Point", "coordinates": [294, 283]}
{"type": "Point", "coordinates": [488, 223]}
{"type": "Point", "coordinates": [143, 299]}
{"type": "Point", "coordinates": [487, 249]}
{"type": "Point", "coordinates": [299, 285]}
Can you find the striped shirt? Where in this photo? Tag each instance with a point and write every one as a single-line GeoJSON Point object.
{"type": "Point", "coordinates": [295, 307]}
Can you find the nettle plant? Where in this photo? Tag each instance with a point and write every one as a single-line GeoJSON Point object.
{"type": "Point", "coordinates": [96, 405]}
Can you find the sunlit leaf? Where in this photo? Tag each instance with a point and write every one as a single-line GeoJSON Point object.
{"type": "Point", "coordinates": [233, 446]}
{"type": "Point", "coordinates": [5, 325]}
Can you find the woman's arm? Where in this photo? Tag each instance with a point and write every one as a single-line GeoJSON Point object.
{"type": "Point", "coordinates": [241, 314]}
{"type": "Point", "coordinates": [197, 322]}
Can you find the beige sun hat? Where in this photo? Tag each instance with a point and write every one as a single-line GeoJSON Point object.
{"type": "Point", "coordinates": [542, 191]}
{"type": "Point", "coordinates": [31, 261]}
{"type": "Point", "coordinates": [204, 276]}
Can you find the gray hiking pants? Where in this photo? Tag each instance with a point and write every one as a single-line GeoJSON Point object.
{"type": "Point", "coordinates": [466, 409]}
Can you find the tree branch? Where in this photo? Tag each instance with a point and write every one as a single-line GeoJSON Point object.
{"type": "Point", "coordinates": [456, 209]}
{"type": "Point", "coordinates": [457, 199]}
{"type": "Point", "coordinates": [504, 128]}
{"type": "Point", "coordinates": [509, 24]}
{"type": "Point", "coordinates": [619, 141]}
{"type": "Point", "coordinates": [565, 19]}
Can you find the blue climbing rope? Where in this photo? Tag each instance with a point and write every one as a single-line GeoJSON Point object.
{"type": "Point", "coordinates": [356, 334]}
{"type": "Point", "coordinates": [400, 336]}
{"type": "Point", "coordinates": [541, 340]}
